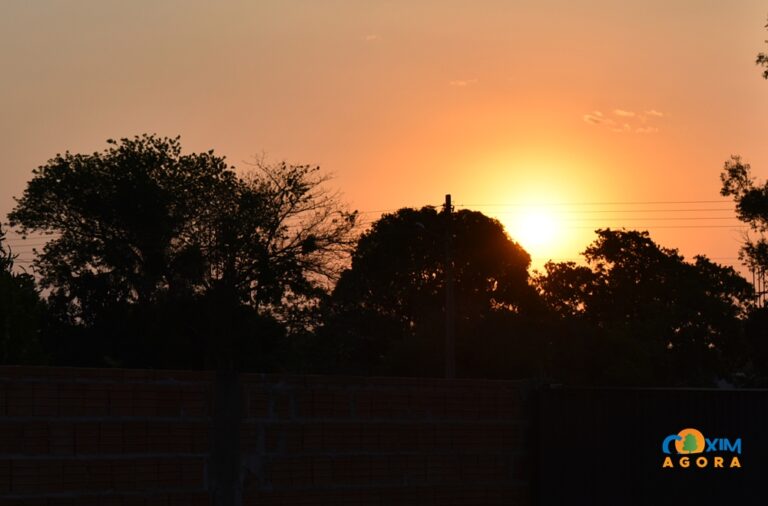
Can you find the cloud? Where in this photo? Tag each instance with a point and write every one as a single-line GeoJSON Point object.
{"type": "Point", "coordinates": [598, 118]}
{"type": "Point", "coordinates": [623, 113]}
{"type": "Point", "coordinates": [625, 121]}
{"type": "Point", "coordinates": [461, 83]}
{"type": "Point", "coordinates": [595, 118]}
{"type": "Point", "coordinates": [371, 37]}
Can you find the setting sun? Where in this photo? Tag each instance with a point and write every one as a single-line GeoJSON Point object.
{"type": "Point", "coordinates": [536, 229]}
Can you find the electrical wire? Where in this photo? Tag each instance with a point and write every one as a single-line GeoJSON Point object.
{"type": "Point", "coordinates": [612, 214]}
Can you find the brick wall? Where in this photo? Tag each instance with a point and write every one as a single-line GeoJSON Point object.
{"type": "Point", "coordinates": [94, 436]}
{"type": "Point", "coordinates": [125, 437]}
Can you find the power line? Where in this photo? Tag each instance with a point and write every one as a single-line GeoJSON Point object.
{"type": "Point", "coordinates": [596, 203]}
{"type": "Point", "coordinates": [650, 218]}
{"type": "Point", "coordinates": [653, 218]}
{"type": "Point", "coordinates": [582, 258]}
{"type": "Point", "coordinates": [592, 211]}
{"type": "Point", "coordinates": [734, 227]}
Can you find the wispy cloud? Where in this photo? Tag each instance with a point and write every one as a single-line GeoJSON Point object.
{"type": "Point", "coordinates": [371, 37]}
{"type": "Point", "coordinates": [624, 114]}
{"type": "Point", "coordinates": [625, 121]}
{"type": "Point", "coordinates": [595, 117]}
{"type": "Point", "coordinates": [461, 83]}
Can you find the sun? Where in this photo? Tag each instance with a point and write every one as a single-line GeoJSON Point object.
{"type": "Point", "coordinates": [537, 200]}
{"type": "Point", "coordinates": [536, 229]}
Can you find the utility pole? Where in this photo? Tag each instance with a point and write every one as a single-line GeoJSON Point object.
{"type": "Point", "coordinates": [450, 301]}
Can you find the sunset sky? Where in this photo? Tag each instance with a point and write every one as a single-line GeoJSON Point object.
{"type": "Point", "coordinates": [557, 115]}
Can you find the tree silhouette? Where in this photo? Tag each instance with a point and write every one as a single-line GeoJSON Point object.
{"type": "Point", "coordinates": [751, 200]}
{"type": "Point", "coordinates": [141, 232]}
{"type": "Point", "coordinates": [652, 311]}
{"type": "Point", "coordinates": [756, 348]}
{"type": "Point", "coordinates": [751, 207]}
{"type": "Point", "coordinates": [21, 312]}
{"type": "Point", "coordinates": [762, 60]}
{"type": "Point", "coordinates": [387, 312]}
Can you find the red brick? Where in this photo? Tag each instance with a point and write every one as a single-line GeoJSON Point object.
{"type": "Point", "coordinates": [369, 436]}
{"type": "Point", "coordinates": [62, 438]}
{"type": "Point", "coordinates": [87, 438]}
{"type": "Point", "coordinates": [135, 437]}
{"type": "Point", "coordinates": [257, 403]}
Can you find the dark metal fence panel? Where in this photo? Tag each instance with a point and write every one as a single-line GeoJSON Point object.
{"type": "Point", "coordinates": [604, 447]}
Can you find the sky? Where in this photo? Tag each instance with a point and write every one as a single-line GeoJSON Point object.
{"type": "Point", "coordinates": [554, 116]}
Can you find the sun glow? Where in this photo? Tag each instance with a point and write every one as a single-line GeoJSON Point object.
{"type": "Point", "coordinates": [535, 229]}
{"type": "Point", "coordinates": [536, 194]}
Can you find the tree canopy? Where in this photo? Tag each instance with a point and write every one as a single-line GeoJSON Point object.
{"type": "Point", "coordinates": [141, 226]}
{"type": "Point", "coordinates": [126, 224]}
{"type": "Point", "coordinates": [20, 312]}
{"type": "Point", "coordinates": [751, 207]}
{"type": "Point", "coordinates": [391, 301]}
{"type": "Point", "coordinates": [676, 320]}
{"type": "Point", "coordinates": [762, 60]}
{"type": "Point", "coordinates": [157, 258]}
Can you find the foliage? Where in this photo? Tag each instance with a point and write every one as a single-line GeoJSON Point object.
{"type": "Point", "coordinates": [755, 349]}
{"type": "Point", "coordinates": [675, 321]}
{"type": "Point", "coordinates": [762, 60]}
{"type": "Point", "coordinates": [141, 226]}
{"type": "Point", "coordinates": [20, 313]}
{"type": "Point", "coordinates": [751, 208]}
{"type": "Point", "coordinates": [388, 307]}
{"type": "Point", "coordinates": [751, 198]}
{"type": "Point", "coordinates": [126, 224]}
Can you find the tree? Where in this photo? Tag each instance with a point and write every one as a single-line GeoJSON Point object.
{"type": "Point", "coordinates": [689, 443]}
{"type": "Point", "coordinates": [751, 207]}
{"type": "Point", "coordinates": [141, 231]}
{"type": "Point", "coordinates": [751, 199]}
{"type": "Point", "coordinates": [762, 60]}
{"type": "Point", "coordinates": [20, 313]}
{"type": "Point", "coordinates": [658, 317]}
{"type": "Point", "coordinates": [756, 348]}
{"type": "Point", "coordinates": [387, 313]}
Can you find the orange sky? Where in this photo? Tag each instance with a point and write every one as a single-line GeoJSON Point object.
{"type": "Point", "coordinates": [510, 106]}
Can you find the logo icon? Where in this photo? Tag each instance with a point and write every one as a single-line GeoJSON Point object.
{"type": "Point", "coordinates": [686, 441]}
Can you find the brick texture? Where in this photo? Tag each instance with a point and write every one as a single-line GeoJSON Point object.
{"type": "Point", "coordinates": [380, 441]}
{"type": "Point", "coordinates": [71, 436]}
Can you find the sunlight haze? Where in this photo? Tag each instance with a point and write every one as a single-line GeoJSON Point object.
{"type": "Point", "coordinates": [556, 117]}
